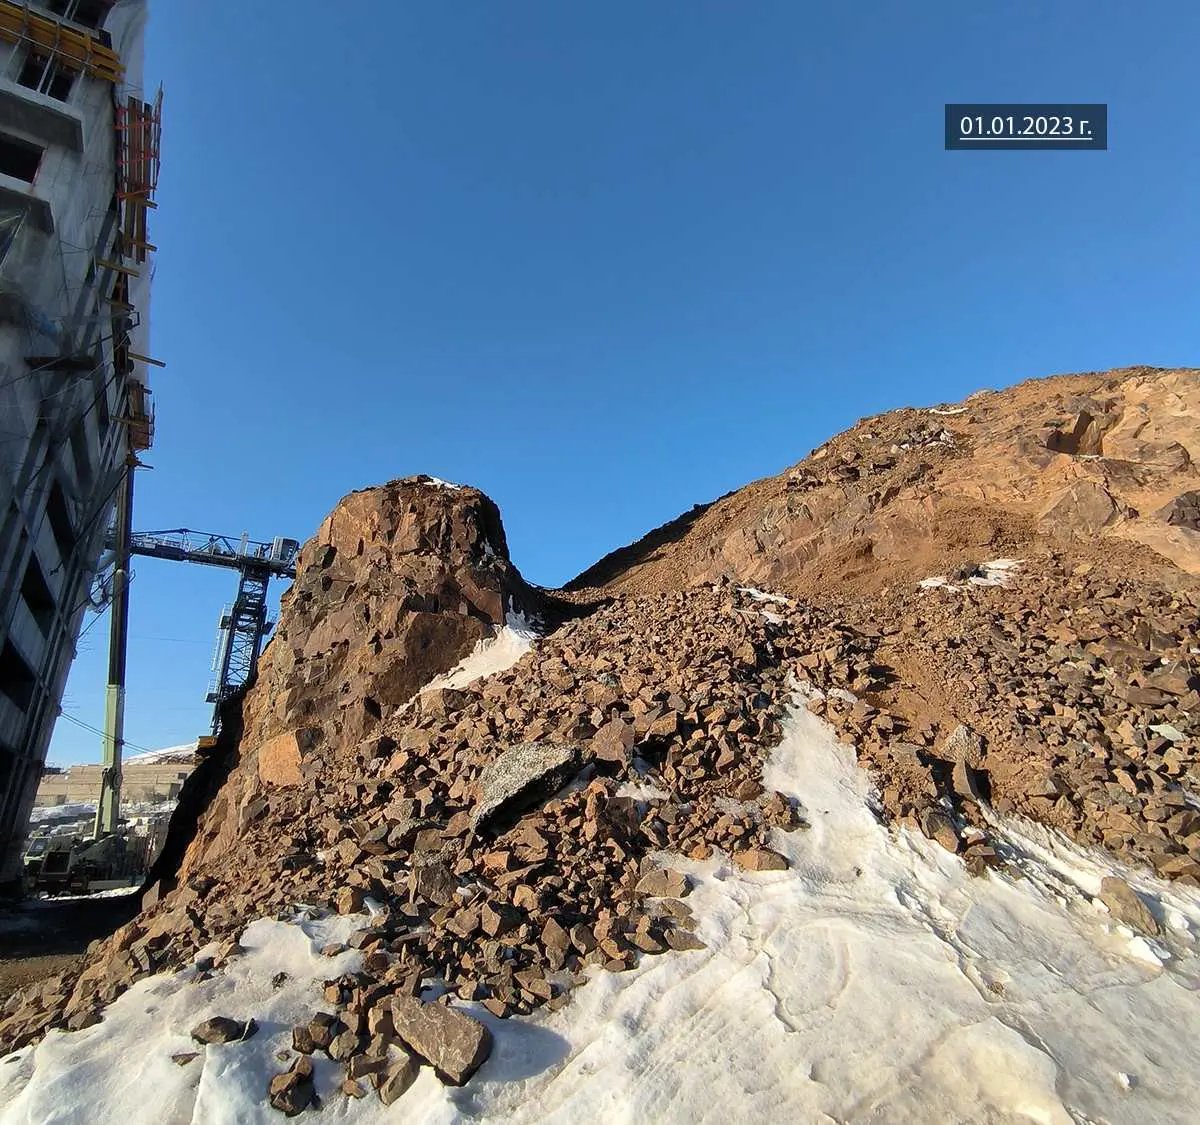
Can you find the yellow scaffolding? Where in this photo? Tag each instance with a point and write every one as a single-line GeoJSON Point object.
{"type": "Point", "coordinates": [76, 49]}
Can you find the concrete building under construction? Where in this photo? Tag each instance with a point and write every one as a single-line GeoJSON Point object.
{"type": "Point", "coordinates": [78, 169]}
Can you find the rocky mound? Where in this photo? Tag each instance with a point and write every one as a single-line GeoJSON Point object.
{"type": "Point", "coordinates": [515, 832]}
{"type": "Point", "coordinates": [399, 583]}
{"type": "Point", "coordinates": [1068, 463]}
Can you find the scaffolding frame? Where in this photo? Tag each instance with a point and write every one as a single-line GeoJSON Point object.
{"type": "Point", "coordinates": [139, 142]}
{"type": "Point", "coordinates": [75, 48]}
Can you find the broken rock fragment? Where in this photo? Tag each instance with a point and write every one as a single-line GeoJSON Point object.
{"type": "Point", "coordinates": [292, 1091]}
{"type": "Point", "coordinates": [1126, 905]}
{"type": "Point", "coordinates": [453, 1043]}
{"type": "Point", "coordinates": [222, 1029]}
{"type": "Point", "coordinates": [520, 777]}
{"type": "Point", "coordinates": [613, 742]}
{"type": "Point", "coordinates": [662, 882]}
{"type": "Point", "coordinates": [939, 828]}
{"type": "Point", "coordinates": [399, 1076]}
{"type": "Point", "coordinates": [760, 859]}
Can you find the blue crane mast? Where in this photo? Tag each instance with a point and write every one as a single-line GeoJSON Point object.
{"type": "Point", "coordinates": [243, 625]}
{"type": "Point", "coordinates": [240, 635]}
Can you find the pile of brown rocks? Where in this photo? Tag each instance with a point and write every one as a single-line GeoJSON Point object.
{"type": "Point", "coordinates": [516, 834]}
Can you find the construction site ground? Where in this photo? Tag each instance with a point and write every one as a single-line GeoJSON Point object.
{"type": "Point", "coordinates": [43, 936]}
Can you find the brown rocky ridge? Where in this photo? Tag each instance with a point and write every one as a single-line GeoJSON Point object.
{"type": "Point", "coordinates": [518, 831]}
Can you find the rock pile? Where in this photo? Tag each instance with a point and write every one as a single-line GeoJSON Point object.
{"type": "Point", "coordinates": [513, 835]}
{"type": "Point", "coordinates": [495, 879]}
{"type": "Point", "coordinates": [399, 584]}
{"type": "Point", "coordinates": [516, 832]}
{"type": "Point", "coordinates": [1083, 685]}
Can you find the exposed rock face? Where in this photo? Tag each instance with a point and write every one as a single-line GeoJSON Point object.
{"type": "Point", "coordinates": [1067, 461]}
{"type": "Point", "coordinates": [399, 583]}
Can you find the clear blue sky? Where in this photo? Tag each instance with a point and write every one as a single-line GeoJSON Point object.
{"type": "Point", "coordinates": [607, 260]}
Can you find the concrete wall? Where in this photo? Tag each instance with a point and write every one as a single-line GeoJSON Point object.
{"type": "Point", "coordinates": [64, 444]}
{"type": "Point", "coordinates": [140, 784]}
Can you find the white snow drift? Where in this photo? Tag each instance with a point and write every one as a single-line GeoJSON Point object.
{"type": "Point", "coordinates": [495, 654]}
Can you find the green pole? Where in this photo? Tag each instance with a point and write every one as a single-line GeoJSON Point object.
{"type": "Point", "coordinates": [109, 807]}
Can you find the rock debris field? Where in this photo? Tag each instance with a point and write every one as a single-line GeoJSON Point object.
{"type": "Point", "coordinates": [482, 823]}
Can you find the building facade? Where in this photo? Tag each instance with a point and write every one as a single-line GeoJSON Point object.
{"type": "Point", "coordinates": [78, 168]}
{"type": "Point", "coordinates": [146, 779]}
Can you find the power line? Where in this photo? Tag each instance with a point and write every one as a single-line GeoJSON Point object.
{"type": "Point", "coordinates": [97, 730]}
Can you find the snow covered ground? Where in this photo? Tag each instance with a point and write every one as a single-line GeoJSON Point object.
{"type": "Point", "coordinates": [874, 981]}
{"type": "Point", "coordinates": [61, 814]}
{"type": "Point", "coordinates": [186, 752]}
{"type": "Point", "coordinates": [71, 810]}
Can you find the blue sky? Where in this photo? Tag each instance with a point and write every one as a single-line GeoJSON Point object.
{"type": "Point", "coordinates": [607, 260]}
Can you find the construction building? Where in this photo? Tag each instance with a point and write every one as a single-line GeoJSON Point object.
{"type": "Point", "coordinates": [78, 168]}
{"type": "Point", "coordinates": [151, 778]}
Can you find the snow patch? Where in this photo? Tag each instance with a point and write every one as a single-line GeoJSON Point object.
{"type": "Point", "coordinates": [994, 573]}
{"type": "Point", "coordinates": [73, 811]}
{"type": "Point", "coordinates": [185, 753]}
{"type": "Point", "coordinates": [762, 596]}
{"type": "Point", "coordinates": [642, 791]}
{"type": "Point", "coordinates": [493, 655]}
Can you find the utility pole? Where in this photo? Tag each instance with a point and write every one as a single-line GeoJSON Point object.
{"type": "Point", "coordinates": [109, 807]}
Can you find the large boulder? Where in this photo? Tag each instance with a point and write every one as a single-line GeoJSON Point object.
{"type": "Point", "coordinates": [520, 776]}
{"type": "Point", "coordinates": [453, 1043]}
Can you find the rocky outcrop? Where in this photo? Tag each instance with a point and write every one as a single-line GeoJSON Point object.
{"type": "Point", "coordinates": [398, 584]}
{"type": "Point", "coordinates": [1065, 462]}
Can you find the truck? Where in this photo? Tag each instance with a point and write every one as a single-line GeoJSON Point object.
{"type": "Point", "coordinates": [80, 865]}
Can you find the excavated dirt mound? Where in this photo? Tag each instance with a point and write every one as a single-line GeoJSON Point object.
{"type": "Point", "coordinates": [518, 830]}
{"type": "Point", "coordinates": [1074, 462]}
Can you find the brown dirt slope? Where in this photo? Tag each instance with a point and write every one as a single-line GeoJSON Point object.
{"type": "Point", "coordinates": [1104, 461]}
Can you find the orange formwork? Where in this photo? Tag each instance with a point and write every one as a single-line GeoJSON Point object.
{"type": "Point", "coordinates": [68, 45]}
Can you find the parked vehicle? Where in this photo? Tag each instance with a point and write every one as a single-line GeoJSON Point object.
{"type": "Point", "coordinates": [70, 864]}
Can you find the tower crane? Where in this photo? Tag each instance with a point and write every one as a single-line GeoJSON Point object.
{"type": "Point", "coordinates": [240, 633]}
{"type": "Point", "coordinates": [244, 625]}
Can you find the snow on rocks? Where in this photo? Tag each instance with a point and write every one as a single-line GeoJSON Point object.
{"type": "Point", "coordinates": [491, 655]}
{"type": "Point", "coordinates": [994, 573]}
